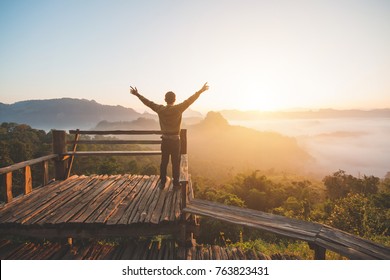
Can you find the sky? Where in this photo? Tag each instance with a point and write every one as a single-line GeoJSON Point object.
{"type": "Point", "coordinates": [255, 55]}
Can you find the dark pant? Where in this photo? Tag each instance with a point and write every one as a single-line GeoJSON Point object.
{"type": "Point", "coordinates": [170, 147]}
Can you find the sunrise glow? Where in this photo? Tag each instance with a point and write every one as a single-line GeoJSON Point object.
{"type": "Point", "coordinates": [255, 55]}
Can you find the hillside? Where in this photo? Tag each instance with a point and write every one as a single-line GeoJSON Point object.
{"type": "Point", "coordinates": [217, 149]}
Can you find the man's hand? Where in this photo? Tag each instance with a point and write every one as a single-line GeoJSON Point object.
{"type": "Point", "coordinates": [134, 91]}
{"type": "Point", "coordinates": [204, 88]}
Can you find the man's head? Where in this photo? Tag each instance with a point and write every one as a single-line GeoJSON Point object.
{"type": "Point", "coordinates": [170, 97]}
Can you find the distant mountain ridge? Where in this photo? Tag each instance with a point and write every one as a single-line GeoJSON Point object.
{"type": "Point", "coordinates": [69, 113]}
{"type": "Point", "coordinates": [63, 113]}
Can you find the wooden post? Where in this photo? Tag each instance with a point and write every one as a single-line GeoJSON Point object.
{"type": "Point", "coordinates": [27, 180]}
{"type": "Point", "coordinates": [319, 252]}
{"type": "Point", "coordinates": [8, 187]}
{"type": "Point", "coordinates": [183, 141]}
{"type": "Point", "coordinates": [76, 138]}
{"type": "Point", "coordinates": [183, 169]}
{"type": "Point", "coordinates": [59, 147]}
{"type": "Point", "coordinates": [185, 236]}
{"type": "Point", "coordinates": [184, 194]}
{"type": "Point", "coordinates": [45, 172]}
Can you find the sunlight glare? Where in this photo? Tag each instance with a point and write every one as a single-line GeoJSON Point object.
{"type": "Point", "coordinates": [259, 97]}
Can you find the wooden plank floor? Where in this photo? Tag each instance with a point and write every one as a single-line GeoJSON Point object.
{"type": "Point", "coordinates": [97, 200]}
{"type": "Point", "coordinates": [130, 250]}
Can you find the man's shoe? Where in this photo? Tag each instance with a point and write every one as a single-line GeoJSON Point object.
{"type": "Point", "coordinates": [162, 183]}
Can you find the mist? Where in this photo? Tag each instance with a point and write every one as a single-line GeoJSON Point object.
{"type": "Point", "coordinates": [358, 146]}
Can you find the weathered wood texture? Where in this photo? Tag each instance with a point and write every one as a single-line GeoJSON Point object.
{"type": "Point", "coordinates": [26, 165]}
{"type": "Point", "coordinates": [59, 147]}
{"type": "Point", "coordinates": [323, 236]}
{"type": "Point", "coordinates": [20, 165]}
{"type": "Point", "coordinates": [115, 132]}
{"type": "Point", "coordinates": [112, 142]}
{"type": "Point", "coordinates": [165, 249]}
{"type": "Point", "coordinates": [113, 153]}
{"type": "Point", "coordinates": [97, 205]}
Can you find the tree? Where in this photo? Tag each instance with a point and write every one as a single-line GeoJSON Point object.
{"type": "Point", "coordinates": [149, 169]}
{"type": "Point", "coordinates": [340, 184]}
{"type": "Point", "coordinates": [357, 214]}
{"type": "Point", "coordinates": [109, 166]}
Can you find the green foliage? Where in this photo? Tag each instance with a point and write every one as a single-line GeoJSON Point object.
{"type": "Point", "coordinates": [149, 169]}
{"type": "Point", "coordinates": [294, 249]}
{"type": "Point", "coordinates": [359, 215]}
{"type": "Point", "coordinates": [113, 164]}
{"type": "Point", "coordinates": [359, 209]}
{"type": "Point", "coordinates": [340, 184]}
{"type": "Point", "coordinates": [20, 142]}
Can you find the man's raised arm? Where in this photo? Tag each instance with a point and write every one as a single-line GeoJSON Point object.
{"type": "Point", "coordinates": [185, 104]}
{"type": "Point", "coordinates": [155, 107]}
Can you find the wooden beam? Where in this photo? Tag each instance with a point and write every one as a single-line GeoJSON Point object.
{"type": "Point", "coordinates": [22, 164]}
{"type": "Point", "coordinates": [183, 141]}
{"type": "Point", "coordinates": [81, 231]}
{"type": "Point", "coordinates": [27, 180]}
{"type": "Point", "coordinates": [8, 187]}
{"type": "Point", "coordinates": [45, 172]}
{"type": "Point", "coordinates": [115, 132]}
{"type": "Point", "coordinates": [319, 252]}
{"type": "Point", "coordinates": [59, 147]}
{"type": "Point", "coordinates": [76, 139]}
{"type": "Point", "coordinates": [185, 238]}
{"type": "Point", "coordinates": [183, 156]}
{"type": "Point", "coordinates": [114, 153]}
{"type": "Point", "coordinates": [112, 142]}
{"type": "Point", "coordinates": [184, 192]}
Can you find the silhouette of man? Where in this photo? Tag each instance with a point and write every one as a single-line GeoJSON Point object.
{"type": "Point", "coordinates": [170, 117]}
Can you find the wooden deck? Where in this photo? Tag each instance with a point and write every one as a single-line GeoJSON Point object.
{"type": "Point", "coordinates": [101, 206]}
{"type": "Point", "coordinates": [94, 206]}
{"type": "Point", "coordinates": [130, 250]}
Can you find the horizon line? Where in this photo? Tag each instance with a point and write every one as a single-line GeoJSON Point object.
{"type": "Point", "coordinates": [285, 110]}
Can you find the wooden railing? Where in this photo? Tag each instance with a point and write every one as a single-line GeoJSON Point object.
{"type": "Point", "coordinates": [319, 237]}
{"type": "Point", "coordinates": [63, 158]}
{"type": "Point", "coordinates": [64, 166]}
{"type": "Point", "coordinates": [7, 172]}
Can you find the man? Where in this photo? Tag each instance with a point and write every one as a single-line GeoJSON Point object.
{"type": "Point", "coordinates": [170, 117]}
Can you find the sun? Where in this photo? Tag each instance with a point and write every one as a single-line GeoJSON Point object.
{"type": "Point", "coordinates": [257, 100]}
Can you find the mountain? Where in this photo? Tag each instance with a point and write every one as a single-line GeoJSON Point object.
{"type": "Point", "coordinates": [71, 113]}
{"type": "Point", "coordinates": [64, 113]}
{"type": "Point", "coordinates": [218, 149]}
